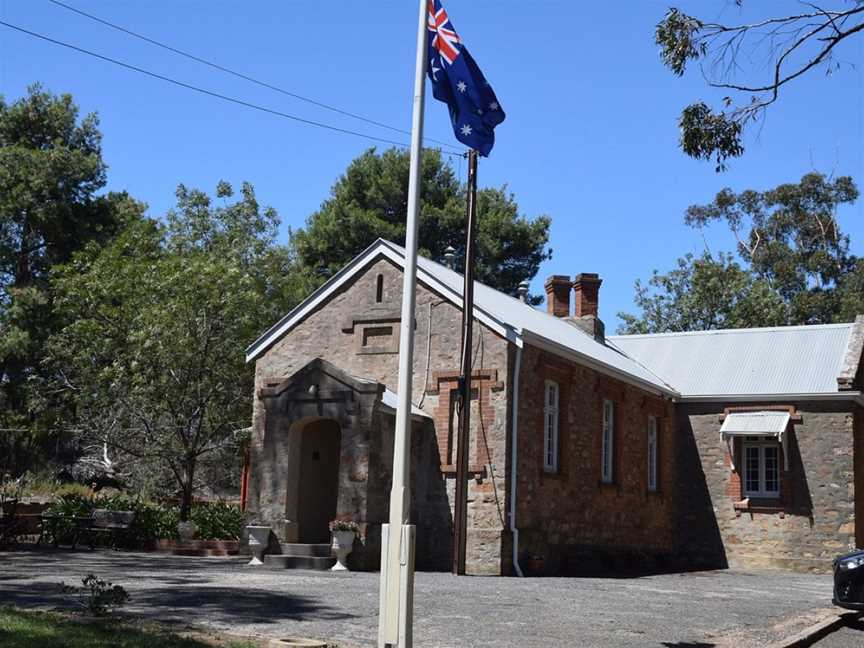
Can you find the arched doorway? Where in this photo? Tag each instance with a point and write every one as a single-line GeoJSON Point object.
{"type": "Point", "coordinates": [320, 447]}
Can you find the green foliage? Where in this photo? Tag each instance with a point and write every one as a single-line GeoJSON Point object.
{"type": "Point", "coordinates": [73, 489]}
{"type": "Point", "coordinates": [68, 507]}
{"type": "Point", "coordinates": [703, 293]}
{"type": "Point", "coordinates": [97, 596]}
{"type": "Point", "coordinates": [218, 521]}
{"type": "Point", "coordinates": [851, 293]}
{"type": "Point", "coordinates": [706, 134]}
{"type": "Point", "coordinates": [678, 37]}
{"type": "Point", "coordinates": [371, 199]}
{"type": "Point", "coordinates": [782, 47]}
{"type": "Point", "coordinates": [158, 320]}
{"type": "Point", "coordinates": [790, 238]}
{"type": "Point", "coordinates": [31, 629]}
{"type": "Point", "coordinates": [50, 170]}
{"type": "Point", "coordinates": [797, 267]}
{"type": "Point", "coordinates": [153, 520]}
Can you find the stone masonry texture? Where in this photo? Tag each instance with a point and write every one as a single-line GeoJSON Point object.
{"type": "Point", "coordinates": [814, 518]}
{"type": "Point", "coordinates": [359, 335]}
{"type": "Point", "coordinates": [569, 522]}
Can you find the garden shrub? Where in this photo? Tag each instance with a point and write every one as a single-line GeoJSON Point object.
{"type": "Point", "coordinates": [73, 489]}
{"type": "Point", "coordinates": [153, 521]}
{"type": "Point", "coordinates": [67, 507]}
{"type": "Point", "coordinates": [97, 596]}
{"type": "Point", "coordinates": [218, 521]}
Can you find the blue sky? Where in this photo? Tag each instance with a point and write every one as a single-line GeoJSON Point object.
{"type": "Point", "coordinates": [590, 137]}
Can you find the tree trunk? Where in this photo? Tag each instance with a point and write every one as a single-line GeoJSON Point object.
{"type": "Point", "coordinates": [187, 489]}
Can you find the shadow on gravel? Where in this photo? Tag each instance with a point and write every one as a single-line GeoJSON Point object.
{"type": "Point", "coordinates": [229, 605]}
{"type": "Point", "coordinates": [235, 605]}
{"type": "Point", "coordinates": [687, 644]}
{"type": "Point", "coordinates": [32, 556]}
{"type": "Point", "coordinates": [858, 625]}
{"type": "Point", "coordinates": [27, 595]}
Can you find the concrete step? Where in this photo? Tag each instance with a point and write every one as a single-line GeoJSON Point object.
{"type": "Point", "coordinates": [277, 561]}
{"type": "Point", "coordinates": [314, 550]}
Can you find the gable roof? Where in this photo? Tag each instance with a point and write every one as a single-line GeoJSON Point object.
{"type": "Point", "coordinates": [507, 316]}
{"type": "Point", "coordinates": [789, 360]}
{"type": "Point", "coordinates": [723, 364]}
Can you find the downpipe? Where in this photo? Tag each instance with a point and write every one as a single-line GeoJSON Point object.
{"type": "Point", "coordinates": [514, 532]}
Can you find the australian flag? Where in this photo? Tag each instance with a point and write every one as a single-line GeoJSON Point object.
{"type": "Point", "coordinates": [458, 82]}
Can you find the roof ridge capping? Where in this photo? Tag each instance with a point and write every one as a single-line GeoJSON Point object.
{"type": "Point", "coordinates": [732, 331]}
{"type": "Point", "coordinates": [852, 358]}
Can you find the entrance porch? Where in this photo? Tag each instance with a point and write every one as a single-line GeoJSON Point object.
{"type": "Point", "coordinates": [322, 449]}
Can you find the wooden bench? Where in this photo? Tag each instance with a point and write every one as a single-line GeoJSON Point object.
{"type": "Point", "coordinates": [116, 525]}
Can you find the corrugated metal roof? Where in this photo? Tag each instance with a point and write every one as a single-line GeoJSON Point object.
{"type": "Point", "coordinates": [521, 317]}
{"type": "Point", "coordinates": [507, 315]}
{"type": "Point", "coordinates": [740, 362]}
{"type": "Point", "coordinates": [756, 423]}
{"type": "Point", "coordinates": [782, 360]}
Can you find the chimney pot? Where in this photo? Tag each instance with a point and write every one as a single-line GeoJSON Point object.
{"type": "Point", "coordinates": [449, 255]}
{"type": "Point", "coordinates": [586, 287]}
{"type": "Point", "coordinates": [558, 295]}
{"type": "Point", "coordinates": [522, 291]}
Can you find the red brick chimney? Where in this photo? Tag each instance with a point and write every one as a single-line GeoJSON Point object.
{"type": "Point", "coordinates": [587, 289]}
{"type": "Point", "coordinates": [558, 295]}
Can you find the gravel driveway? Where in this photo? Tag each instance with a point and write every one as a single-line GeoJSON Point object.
{"type": "Point", "coordinates": [692, 610]}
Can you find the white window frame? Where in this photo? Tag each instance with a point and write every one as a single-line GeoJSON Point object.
{"type": "Point", "coordinates": [607, 475]}
{"type": "Point", "coordinates": [760, 444]}
{"type": "Point", "coordinates": [551, 404]}
{"type": "Point", "coordinates": [652, 454]}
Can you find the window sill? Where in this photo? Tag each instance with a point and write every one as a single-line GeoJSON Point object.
{"type": "Point", "coordinates": [545, 473]}
{"type": "Point", "coordinates": [609, 486]}
{"type": "Point", "coordinates": [759, 505]}
{"type": "Point", "coordinates": [654, 493]}
{"type": "Point", "coordinates": [475, 471]}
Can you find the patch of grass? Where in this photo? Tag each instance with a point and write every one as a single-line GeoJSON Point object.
{"type": "Point", "coordinates": [27, 629]}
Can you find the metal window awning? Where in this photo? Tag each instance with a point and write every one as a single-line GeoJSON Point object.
{"type": "Point", "coordinates": [761, 423]}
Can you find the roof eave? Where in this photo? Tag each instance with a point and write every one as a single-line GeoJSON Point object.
{"type": "Point", "coordinates": [379, 248]}
{"type": "Point", "coordinates": [581, 358]}
{"type": "Point", "coordinates": [266, 339]}
{"type": "Point", "coordinates": [855, 396]}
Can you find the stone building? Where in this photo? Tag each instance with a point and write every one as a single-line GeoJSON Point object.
{"type": "Point", "coordinates": [585, 450]}
{"type": "Point", "coordinates": [770, 424]}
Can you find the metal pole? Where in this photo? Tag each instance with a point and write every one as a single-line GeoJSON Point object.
{"type": "Point", "coordinates": [460, 514]}
{"type": "Point", "coordinates": [397, 572]}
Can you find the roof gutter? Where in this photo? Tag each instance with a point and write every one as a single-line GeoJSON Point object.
{"type": "Point", "coordinates": [855, 396]}
{"type": "Point", "coordinates": [581, 358]}
{"type": "Point", "coordinates": [514, 532]}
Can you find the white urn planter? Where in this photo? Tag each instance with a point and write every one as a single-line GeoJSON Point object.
{"type": "Point", "coordinates": [343, 544]}
{"type": "Point", "coordinates": [259, 538]}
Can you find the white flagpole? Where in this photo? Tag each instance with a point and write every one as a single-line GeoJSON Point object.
{"type": "Point", "coordinates": [397, 555]}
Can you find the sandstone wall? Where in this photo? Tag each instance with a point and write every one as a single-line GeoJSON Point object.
{"type": "Point", "coordinates": [811, 523]}
{"type": "Point", "coordinates": [360, 335]}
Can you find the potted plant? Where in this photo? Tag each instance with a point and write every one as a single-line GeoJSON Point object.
{"type": "Point", "coordinates": [344, 532]}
